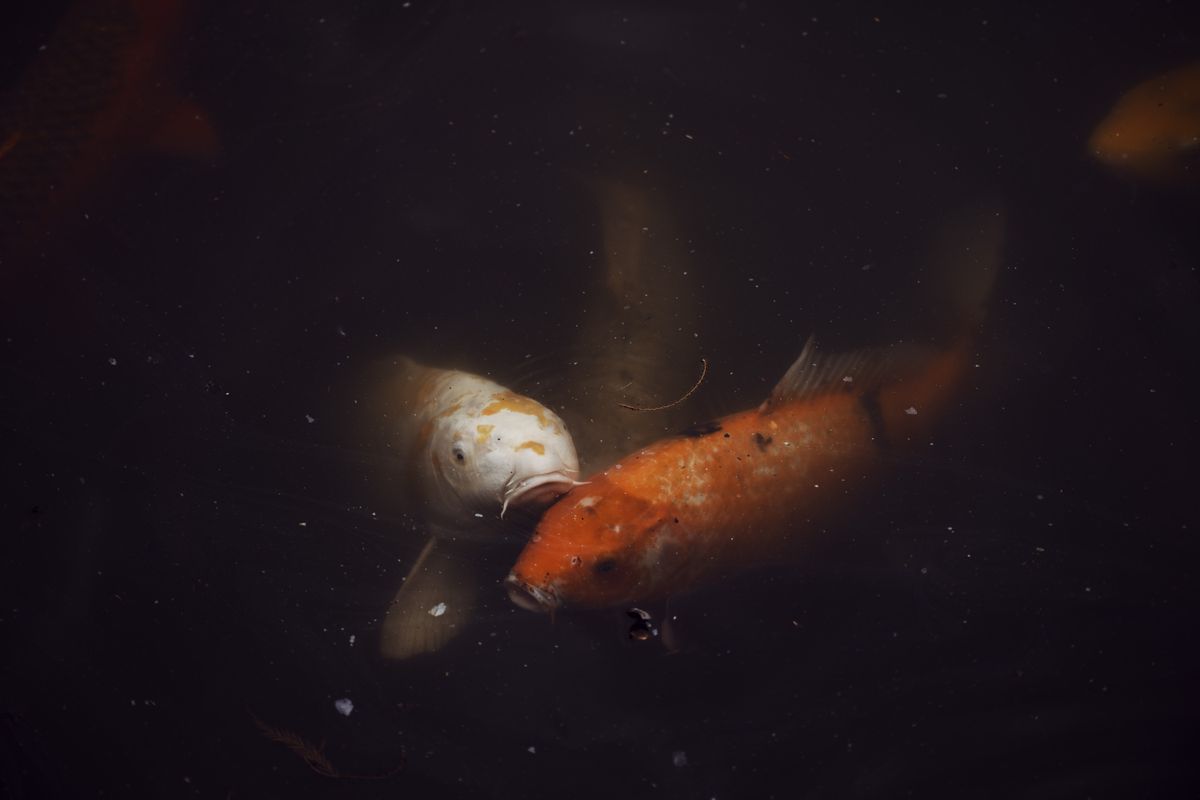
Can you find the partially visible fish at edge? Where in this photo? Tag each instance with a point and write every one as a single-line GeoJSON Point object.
{"type": "Point", "coordinates": [1153, 130]}
{"type": "Point", "coordinates": [97, 90]}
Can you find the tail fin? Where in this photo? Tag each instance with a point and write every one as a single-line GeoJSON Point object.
{"type": "Point", "coordinates": [965, 259]}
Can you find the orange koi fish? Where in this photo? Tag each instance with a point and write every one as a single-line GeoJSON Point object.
{"type": "Point", "coordinates": [1154, 129]}
{"type": "Point", "coordinates": [737, 492]}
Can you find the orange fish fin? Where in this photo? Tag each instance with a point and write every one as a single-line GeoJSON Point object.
{"type": "Point", "coordinates": [909, 407]}
{"type": "Point", "coordinates": [185, 130]}
{"type": "Point", "coordinates": [10, 142]}
{"type": "Point", "coordinates": [813, 375]}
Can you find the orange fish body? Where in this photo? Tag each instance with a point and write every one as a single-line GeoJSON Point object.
{"type": "Point", "coordinates": [742, 491]}
{"type": "Point", "coordinates": [1153, 131]}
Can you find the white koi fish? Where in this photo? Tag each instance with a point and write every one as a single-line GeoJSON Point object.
{"type": "Point", "coordinates": [477, 451]}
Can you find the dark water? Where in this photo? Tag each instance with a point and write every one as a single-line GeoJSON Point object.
{"type": "Point", "coordinates": [185, 552]}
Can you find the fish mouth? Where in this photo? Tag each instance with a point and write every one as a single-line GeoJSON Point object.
{"type": "Point", "coordinates": [530, 597]}
{"type": "Point", "coordinates": [536, 489]}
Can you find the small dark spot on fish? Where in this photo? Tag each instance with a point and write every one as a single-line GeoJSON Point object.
{"type": "Point", "coordinates": [605, 565]}
{"type": "Point", "coordinates": [701, 429]}
{"type": "Point", "coordinates": [727, 436]}
{"type": "Point", "coordinates": [762, 441]}
{"type": "Point", "coordinates": [676, 520]}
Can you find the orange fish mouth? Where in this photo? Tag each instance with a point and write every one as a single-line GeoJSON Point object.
{"type": "Point", "coordinates": [530, 597]}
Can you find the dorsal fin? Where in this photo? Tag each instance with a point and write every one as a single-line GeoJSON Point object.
{"type": "Point", "coordinates": [813, 375]}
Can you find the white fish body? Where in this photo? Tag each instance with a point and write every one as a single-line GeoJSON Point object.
{"type": "Point", "coordinates": [473, 450]}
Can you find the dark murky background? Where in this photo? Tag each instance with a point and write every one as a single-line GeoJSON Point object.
{"type": "Point", "coordinates": [185, 551]}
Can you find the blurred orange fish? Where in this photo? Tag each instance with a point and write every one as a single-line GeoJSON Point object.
{"type": "Point", "coordinates": [94, 91]}
{"type": "Point", "coordinates": [1153, 132]}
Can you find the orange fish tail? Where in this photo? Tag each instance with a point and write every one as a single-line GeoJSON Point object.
{"type": "Point", "coordinates": [911, 408]}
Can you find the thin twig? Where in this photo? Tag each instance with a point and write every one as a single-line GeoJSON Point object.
{"type": "Point", "coordinates": [314, 755]}
{"type": "Point", "coordinates": [687, 394]}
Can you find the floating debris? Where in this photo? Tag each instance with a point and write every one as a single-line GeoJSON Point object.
{"type": "Point", "coordinates": [642, 628]}
{"type": "Point", "coordinates": [344, 706]}
{"type": "Point", "coordinates": [911, 411]}
{"type": "Point", "coordinates": [679, 758]}
{"type": "Point", "coordinates": [437, 610]}
{"type": "Point", "coordinates": [686, 395]}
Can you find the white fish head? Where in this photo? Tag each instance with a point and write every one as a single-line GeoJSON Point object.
{"type": "Point", "coordinates": [497, 450]}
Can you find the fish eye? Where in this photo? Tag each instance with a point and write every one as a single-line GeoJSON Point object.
{"type": "Point", "coordinates": [459, 453]}
{"type": "Point", "coordinates": [605, 565]}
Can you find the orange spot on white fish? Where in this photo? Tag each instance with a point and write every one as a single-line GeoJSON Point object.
{"type": "Point", "coordinates": [450, 410]}
{"type": "Point", "coordinates": [507, 401]}
{"type": "Point", "coordinates": [536, 447]}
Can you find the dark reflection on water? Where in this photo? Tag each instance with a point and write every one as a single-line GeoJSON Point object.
{"type": "Point", "coordinates": [196, 538]}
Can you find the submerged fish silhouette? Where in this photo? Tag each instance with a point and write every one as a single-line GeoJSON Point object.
{"type": "Point", "coordinates": [96, 91]}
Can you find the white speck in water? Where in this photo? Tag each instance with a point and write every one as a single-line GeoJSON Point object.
{"type": "Point", "coordinates": [352, 637]}
{"type": "Point", "coordinates": [112, 362]}
{"type": "Point", "coordinates": [848, 379]}
{"type": "Point", "coordinates": [679, 758]}
{"type": "Point", "coordinates": [310, 418]}
{"type": "Point", "coordinates": [911, 411]}
{"type": "Point", "coordinates": [437, 610]}
{"type": "Point", "coordinates": [531, 749]}
{"type": "Point", "coordinates": [344, 706]}
{"type": "Point", "coordinates": [479, 515]}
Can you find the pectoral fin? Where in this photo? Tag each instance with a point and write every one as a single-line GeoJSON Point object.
{"type": "Point", "coordinates": [433, 604]}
